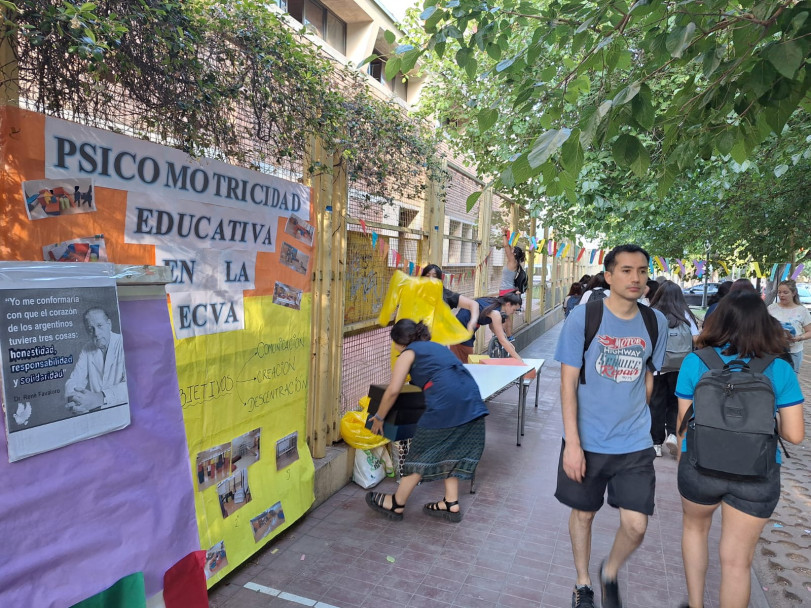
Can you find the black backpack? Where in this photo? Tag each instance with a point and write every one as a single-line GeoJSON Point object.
{"type": "Point", "coordinates": [733, 432]}
{"type": "Point", "coordinates": [521, 280]}
{"type": "Point", "coordinates": [495, 350]}
{"type": "Point", "coordinates": [594, 316]}
{"type": "Point", "coordinates": [597, 294]}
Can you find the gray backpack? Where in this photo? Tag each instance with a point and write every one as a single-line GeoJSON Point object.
{"type": "Point", "coordinates": [679, 345]}
{"type": "Point", "coordinates": [733, 432]}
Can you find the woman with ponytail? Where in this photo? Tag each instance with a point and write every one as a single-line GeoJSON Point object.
{"type": "Point", "coordinates": [449, 440]}
{"type": "Point", "coordinates": [494, 313]}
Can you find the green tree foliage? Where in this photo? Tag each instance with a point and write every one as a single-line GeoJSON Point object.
{"type": "Point", "coordinates": [614, 116]}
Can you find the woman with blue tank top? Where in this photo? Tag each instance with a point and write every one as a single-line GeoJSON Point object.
{"type": "Point", "coordinates": [449, 440]}
{"type": "Point", "coordinates": [740, 328]}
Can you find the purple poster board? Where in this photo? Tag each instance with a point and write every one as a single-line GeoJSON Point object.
{"type": "Point", "coordinates": [75, 520]}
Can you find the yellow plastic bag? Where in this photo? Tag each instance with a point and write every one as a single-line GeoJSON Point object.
{"type": "Point", "coordinates": [354, 431]}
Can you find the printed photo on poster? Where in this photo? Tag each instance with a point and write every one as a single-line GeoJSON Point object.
{"type": "Point", "coordinates": [293, 258]}
{"type": "Point", "coordinates": [64, 376]}
{"type": "Point", "coordinates": [216, 559]}
{"type": "Point", "coordinates": [55, 197]}
{"type": "Point", "coordinates": [245, 449]}
{"type": "Point", "coordinates": [234, 492]}
{"type": "Point", "coordinates": [286, 451]}
{"type": "Point", "coordinates": [267, 521]}
{"type": "Point", "coordinates": [87, 249]}
{"type": "Point", "coordinates": [213, 465]}
{"type": "Point", "coordinates": [299, 229]}
{"type": "Point", "coordinates": [284, 295]}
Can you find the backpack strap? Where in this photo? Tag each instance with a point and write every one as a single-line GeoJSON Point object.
{"type": "Point", "coordinates": [652, 325]}
{"type": "Point", "coordinates": [710, 357]}
{"type": "Point", "coordinates": [712, 360]}
{"type": "Point", "coordinates": [594, 316]}
{"type": "Point", "coordinates": [759, 364]}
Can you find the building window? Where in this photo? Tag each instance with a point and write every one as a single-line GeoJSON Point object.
{"type": "Point", "coordinates": [377, 70]}
{"type": "Point", "coordinates": [319, 20]}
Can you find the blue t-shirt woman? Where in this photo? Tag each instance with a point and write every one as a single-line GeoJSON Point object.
{"type": "Point", "coordinates": [738, 329]}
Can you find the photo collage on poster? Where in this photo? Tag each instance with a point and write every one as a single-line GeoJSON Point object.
{"type": "Point", "coordinates": [226, 466]}
{"type": "Point", "coordinates": [54, 197]}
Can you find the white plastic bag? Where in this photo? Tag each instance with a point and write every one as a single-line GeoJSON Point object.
{"type": "Point", "coordinates": [370, 469]}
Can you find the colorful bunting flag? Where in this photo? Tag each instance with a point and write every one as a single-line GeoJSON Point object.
{"type": "Point", "coordinates": [682, 270]}
{"type": "Point", "coordinates": [699, 268]}
{"type": "Point", "coordinates": [602, 253]}
{"type": "Point", "coordinates": [756, 266]}
{"type": "Point", "coordinates": [797, 271]}
{"type": "Point", "coordinates": [411, 268]}
{"type": "Point", "coordinates": [774, 272]}
{"type": "Point", "coordinates": [784, 276]}
{"type": "Point", "coordinates": [594, 252]}
{"type": "Point", "coordinates": [724, 266]}
{"type": "Point", "coordinates": [363, 226]}
{"type": "Point", "coordinates": [580, 255]}
{"type": "Point", "coordinates": [514, 238]}
{"type": "Point", "coordinates": [374, 240]}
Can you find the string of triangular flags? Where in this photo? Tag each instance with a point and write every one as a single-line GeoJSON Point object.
{"type": "Point", "coordinates": [411, 268]}
{"type": "Point", "coordinates": [562, 249]}
{"type": "Point", "coordinates": [559, 249]}
{"type": "Point", "coordinates": [678, 266]}
{"type": "Point", "coordinates": [779, 271]}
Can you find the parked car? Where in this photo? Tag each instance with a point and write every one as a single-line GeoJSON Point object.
{"type": "Point", "coordinates": [804, 291]}
{"type": "Point", "coordinates": [699, 289]}
{"type": "Point", "coordinates": [694, 295]}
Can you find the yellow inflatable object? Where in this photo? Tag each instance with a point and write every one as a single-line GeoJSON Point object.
{"type": "Point", "coordinates": [420, 299]}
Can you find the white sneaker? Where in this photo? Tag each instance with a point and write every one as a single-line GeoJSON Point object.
{"type": "Point", "coordinates": [672, 444]}
{"type": "Point", "coordinates": [658, 449]}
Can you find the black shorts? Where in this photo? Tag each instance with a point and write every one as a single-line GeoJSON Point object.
{"type": "Point", "coordinates": [630, 479]}
{"type": "Point", "coordinates": [757, 498]}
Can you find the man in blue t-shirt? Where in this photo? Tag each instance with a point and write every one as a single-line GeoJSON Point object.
{"type": "Point", "coordinates": [606, 421]}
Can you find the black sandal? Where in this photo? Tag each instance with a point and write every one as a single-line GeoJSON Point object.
{"type": "Point", "coordinates": [433, 509]}
{"type": "Point", "coordinates": [375, 501]}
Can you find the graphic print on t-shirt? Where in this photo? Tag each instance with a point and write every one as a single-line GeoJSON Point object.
{"type": "Point", "coordinates": [789, 327]}
{"type": "Point", "coordinates": [620, 359]}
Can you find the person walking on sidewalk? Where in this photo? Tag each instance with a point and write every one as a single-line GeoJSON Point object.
{"type": "Point", "coordinates": [794, 317]}
{"type": "Point", "coordinates": [606, 420]}
{"type": "Point", "coordinates": [449, 440]}
{"type": "Point", "coordinates": [740, 328]}
{"type": "Point", "coordinates": [682, 332]}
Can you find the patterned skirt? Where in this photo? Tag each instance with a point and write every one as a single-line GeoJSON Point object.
{"type": "Point", "coordinates": [442, 453]}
